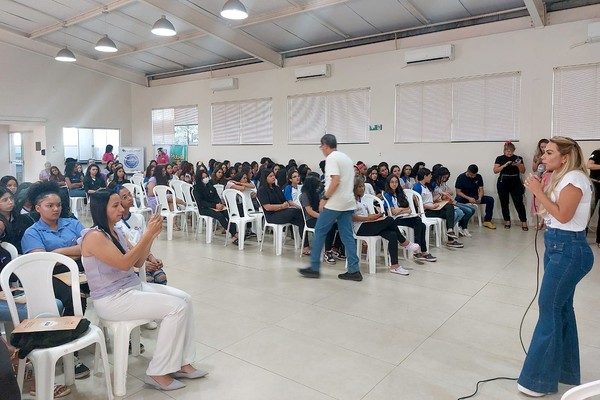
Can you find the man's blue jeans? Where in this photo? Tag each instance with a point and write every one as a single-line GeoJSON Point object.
{"type": "Point", "coordinates": [326, 219]}
{"type": "Point", "coordinates": [554, 350]}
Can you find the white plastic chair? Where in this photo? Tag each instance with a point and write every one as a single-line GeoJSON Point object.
{"type": "Point", "coordinates": [137, 179]}
{"type": "Point", "coordinates": [279, 234]}
{"type": "Point", "coordinates": [122, 332]}
{"type": "Point", "coordinates": [305, 231]}
{"type": "Point", "coordinates": [219, 188]}
{"type": "Point", "coordinates": [135, 192]}
{"type": "Point", "coordinates": [14, 253]}
{"type": "Point", "coordinates": [35, 274]}
{"type": "Point", "coordinates": [428, 221]}
{"type": "Point", "coordinates": [191, 207]}
{"type": "Point", "coordinates": [581, 392]}
{"type": "Point", "coordinates": [77, 204]}
{"type": "Point", "coordinates": [373, 242]}
{"type": "Point", "coordinates": [175, 184]}
{"type": "Point", "coordinates": [161, 192]}
{"type": "Point", "coordinates": [231, 197]}
{"type": "Point", "coordinates": [258, 215]}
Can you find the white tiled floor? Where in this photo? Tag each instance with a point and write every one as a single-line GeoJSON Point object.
{"type": "Point", "coordinates": [266, 333]}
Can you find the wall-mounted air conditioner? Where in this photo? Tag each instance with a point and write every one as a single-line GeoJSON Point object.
{"type": "Point", "coordinates": [312, 72]}
{"type": "Point", "coordinates": [429, 54]}
{"type": "Point", "coordinates": [217, 85]}
{"type": "Point", "coordinates": [593, 32]}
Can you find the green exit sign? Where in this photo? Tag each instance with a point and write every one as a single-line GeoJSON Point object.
{"type": "Point", "coordinates": [375, 127]}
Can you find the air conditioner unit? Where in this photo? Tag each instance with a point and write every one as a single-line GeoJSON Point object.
{"type": "Point", "coordinates": [217, 85]}
{"type": "Point", "coordinates": [313, 71]}
{"type": "Point", "coordinates": [429, 54]}
{"type": "Point", "coordinates": [593, 32]}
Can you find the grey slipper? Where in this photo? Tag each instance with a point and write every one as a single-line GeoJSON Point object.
{"type": "Point", "coordinates": [171, 386]}
{"type": "Point", "coordinates": [189, 375]}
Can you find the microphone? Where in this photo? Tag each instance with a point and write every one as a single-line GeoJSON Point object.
{"type": "Point", "coordinates": [540, 170]}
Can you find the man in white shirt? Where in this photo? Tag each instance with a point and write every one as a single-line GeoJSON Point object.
{"type": "Point", "coordinates": [337, 205]}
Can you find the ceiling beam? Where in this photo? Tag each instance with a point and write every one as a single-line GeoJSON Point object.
{"type": "Point", "coordinates": [79, 18]}
{"type": "Point", "coordinates": [410, 7]}
{"type": "Point", "coordinates": [315, 5]}
{"type": "Point", "coordinates": [44, 49]}
{"type": "Point", "coordinates": [537, 11]}
{"type": "Point", "coordinates": [219, 30]}
{"type": "Point", "coordinates": [156, 44]}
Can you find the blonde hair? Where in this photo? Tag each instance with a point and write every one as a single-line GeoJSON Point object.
{"type": "Point", "coordinates": [538, 151]}
{"type": "Point", "coordinates": [575, 162]}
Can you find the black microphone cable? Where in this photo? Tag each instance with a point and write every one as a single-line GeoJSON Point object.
{"type": "Point", "coordinates": [537, 289]}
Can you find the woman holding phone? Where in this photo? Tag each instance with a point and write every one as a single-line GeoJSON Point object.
{"type": "Point", "coordinates": [509, 166]}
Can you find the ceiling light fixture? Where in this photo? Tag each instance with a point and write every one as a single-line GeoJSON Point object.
{"type": "Point", "coordinates": [106, 45]}
{"type": "Point", "coordinates": [65, 55]}
{"type": "Point", "coordinates": [163, 27]}
{"type": "Point", "coordinates": [234, 9]}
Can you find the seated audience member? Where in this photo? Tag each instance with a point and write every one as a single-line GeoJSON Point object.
{"type": "Point", "coordinates": [57, 177]}
{"type": "Point", "coordinates": [365, 224]}
{"type": "Point", "coordinates": [59, 235]}
{"type": "Point", "coordinates": [187, 172]}
{"type": "Point", "coordinates": [395, 170]}
{"type": "Point", "coordinates": [149, 172]}
{"type": "Point", "coordinates": [435, 207]}
{"type": "Point", "coordinates": [119, 295]}
{"type": "Point", "coordinates": [280, 176]}
{"type": "Point", "coordinates": [218, 176]}
{"type": "Point", "coordinates": [384, 170]}
{"type": "Point", "coordinates": [119, 178]}
{"type": "Point", "coordinates": [309, 200]}
{"type": "Point", "coordinates": [415, 170]}
{"type": "Point", "coordinates": [406, 176]}
{"type": "Point", "coordinates": [11, 228]}
{"type": "Point", "coordinates": [45, 173]}
{"type": "Point", "coordinates": [108, 169]}
{"type": "Point", "coordinates": [276, 208]}
{"type": "Point", "coordinates": [74, 180]}
{"type": "Point", "coordinates": [170, 176]}
{"type": "Point", "coordinates": [469, 189]}
{"type": "Point", "coordinates": [370, 182]}
{"type": "Point", "coordinates": [462, 212]}
{"type": "Point", "coordinates": [362, 168]}
{"type": "Point", "coordinates": [209, 202]}
{"type": "Point", "coordinates": [10, 182]}
{"type": "Point", "coordinates": [399, 209]}
{"type": "Point", "coordinates": [291, 191]}
{"type": "Point", "coordinates": [230, 173]}
{"type": "Point", "coordinates": [133, 227]}
{"type": "Point", "coordinates": [93, 181]}
{"type": "Point", "coordinates": [91, 161]}
{"type": "Point", "coordinates": [304, 171]}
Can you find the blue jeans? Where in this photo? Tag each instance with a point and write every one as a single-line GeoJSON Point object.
{"type": "Point", "coordinates": [324, 223]}
{"type": "Point", "coordinates": [489, 206]}
{"type": "Point", "coordinates": [554, 350]}
{"type": "Point", "coordinates": [468, 211]}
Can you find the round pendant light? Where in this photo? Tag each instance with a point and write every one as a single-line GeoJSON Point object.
{"type": "Point", "coordinates": [65, 55]}
{"type": "Point", "coordinates": [106, 45]}
{"type": "Point", "coordinates": [234, 9]}
{"type": "Point", "coordinates": [163, 27]}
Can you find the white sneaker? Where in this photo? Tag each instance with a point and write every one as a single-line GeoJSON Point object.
{"type": "Point", "coordinates": [151, 325]}
{"type": "Point", "coordinates": [466, 233]}
{"type": "Point", "coordinates": [399, 270]}
{"type": "Point", "coordinates": [413, 247]}
{"type": "Point", "coordinates": [528, 392]}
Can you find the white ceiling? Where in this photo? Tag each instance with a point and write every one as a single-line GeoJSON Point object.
{"type": "Point", "coordinates": [275, 30]}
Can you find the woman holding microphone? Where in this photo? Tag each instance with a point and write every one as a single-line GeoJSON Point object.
{"type": "Point", "coordinates": [565, 205]}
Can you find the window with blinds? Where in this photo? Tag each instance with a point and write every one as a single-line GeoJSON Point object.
{"type": "Point", "coordinates": [576, 102]}
{"type": "Point", "coordinates": [477, 109]}
{"type": "Point", "coordinates": [242, 122]}
{"type": "Point", "coordinates": [177, 125]}
{"type": "Point", "coordinates": [344, 114]}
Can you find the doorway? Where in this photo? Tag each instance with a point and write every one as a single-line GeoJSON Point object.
{"type": "Point", "coordinates": [15, 140]}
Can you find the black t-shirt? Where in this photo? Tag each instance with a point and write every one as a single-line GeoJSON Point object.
{"type": "Point", "coordinates": [510, 169]}
{"type": "Point", "coordinates": [469, 186]}
{"type": "Point", "coordinates": [270, 195]}
{"type": "Point", "coordinates": [595, 173]}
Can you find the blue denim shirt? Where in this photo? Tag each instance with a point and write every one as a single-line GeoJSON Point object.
{"type": "Point", "coordinates": [41, 236]}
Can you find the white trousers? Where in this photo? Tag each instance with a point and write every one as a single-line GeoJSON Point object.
{"type": "Point", "coordinates": [175, 344]}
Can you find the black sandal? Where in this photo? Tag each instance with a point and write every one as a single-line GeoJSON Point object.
{"type": "Point", "coordinates": [507, 226]}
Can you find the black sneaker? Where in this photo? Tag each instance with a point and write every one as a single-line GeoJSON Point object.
{"type": "Point", "coordinates": [309, 273]}
{"type": "Point", "coordinates": [347, 276]}
{"type": "Point", "coordinates": [328, 257]}
{"type": "Point", "coordinates": [452, 235]}
{"type": "Point", "coordinates": [455, 244]}
{"type": "Point", "coordinates": [337, 254]}
{"type": "Point", "coordinates": [250, 235]}
{"type": "Point", "coordinates": [423, 257]}
{"type": "Point", "coordinates": [81, 371]}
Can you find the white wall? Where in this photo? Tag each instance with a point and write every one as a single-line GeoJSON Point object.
{"type": "Point", "coordinates": [35, 86]}
{"type": "Point", "coordinates": [534, 52]}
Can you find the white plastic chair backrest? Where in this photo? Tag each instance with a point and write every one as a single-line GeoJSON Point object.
{"type": "Point", "coordinates": [581, 392]}
{"type": "Point", "coordinates": [161, 192]}
{"type": "Point", "coordinates": [176, 186]}
{"type": "Point", "coordinates": [188, 195]}
{"type": "Point", "coordinates": [231, 200]}
{"type": "Point", "coordinates": [132, 189]}
{"type": "Point", "coordinates": [411, 195]}
{"type": "Point", "coordinates": [14, 253]}
{"type": "Point", "coordinates": [137, 180]}
{"type": "Point", "coordinates": [34, 271]}
{"type": "Point", "coordinates": [369, 200]}
{"type": "Point", "coordinates": [219, 188]}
